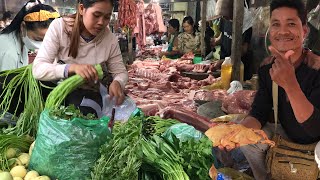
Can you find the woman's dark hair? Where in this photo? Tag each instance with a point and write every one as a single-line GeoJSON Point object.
{"type": "Point", "coordinates": [175, 24]}
{"type": "Point", "coordinates": [294, 4]}
{"type": "Point", "coordinates": [6, 15]}
{"type": "Point", "coordinates": [190, 21]}
{"type": "Point", "coordinates": [18, 19]}
{"type": "Point", "coordinates": [78, 26]}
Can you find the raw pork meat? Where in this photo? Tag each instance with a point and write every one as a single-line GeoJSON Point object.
{"type": "Point", "coordinates": [239, 102]}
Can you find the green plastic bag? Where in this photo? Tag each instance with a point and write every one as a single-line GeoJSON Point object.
{"type": "Point", "coordinates": [67, 150]}
{"type": "Point", "coordinates": [183, 132]}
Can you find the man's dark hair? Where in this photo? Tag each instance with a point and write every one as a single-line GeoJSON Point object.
{"type": "Point", "coordinates": [294, 4]}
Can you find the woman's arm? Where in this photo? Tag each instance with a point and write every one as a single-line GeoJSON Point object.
{"type": "Point", "coordinates": [116, 66]}
{"type": "Point", "coordinates": [43, 66]}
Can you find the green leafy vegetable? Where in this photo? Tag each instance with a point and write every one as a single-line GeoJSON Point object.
{"type": "Point", "coordinates": [23, 82]}
{"type": "Point", "coordinates": [197, 156]}
{"type": "Point", "coordinates": [121, 157]}
{"type": "Point", "coordinates": [160, 154]}
{"type": "Point", "coordinates": [154, 125]}
{"type": "Point", "coordinates": [69, 113]}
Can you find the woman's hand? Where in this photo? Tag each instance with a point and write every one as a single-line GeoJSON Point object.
{"type": "Point", "coordinates": [86, 71]}
{"type": "Point", "coordinates": [116, 91]}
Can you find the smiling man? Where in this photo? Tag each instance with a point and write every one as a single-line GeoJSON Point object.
{"type": "Point", "coordinates": [296, 71]}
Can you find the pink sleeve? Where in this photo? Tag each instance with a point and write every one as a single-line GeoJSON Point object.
{"type": "Point", "coordinates": [43, 66]}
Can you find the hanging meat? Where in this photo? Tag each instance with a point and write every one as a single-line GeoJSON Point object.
{"type": "Point", "coordinates": [153, 19]}
{"type": "Point", "coordinates": [127, 14]}
{"type": "Point", "coordinates": [140, 29]}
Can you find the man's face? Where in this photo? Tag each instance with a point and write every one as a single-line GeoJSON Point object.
{"type": "Point", "coordinates": [286, 29]}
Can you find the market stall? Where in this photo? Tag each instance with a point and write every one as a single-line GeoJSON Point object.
{"type": "Point", "coordinates": [174, 113]}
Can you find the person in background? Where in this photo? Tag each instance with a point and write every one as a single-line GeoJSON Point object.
{"type": "Point", "coordinates": [225, 39]}
{"type": "Point", "coordinates": [189, 40]}
{"type": "Point", "coordinates": [79, 42]}
{"type": "Point", "coordinates": [209, 34]}
{"type": "Point", "coordinates": [25, 33]}
{"type": "Point", "coordinates": [296, 71]}
{"type": "Point", "coordinates": [173, 32]}
{"type": "Point", "coordinates": [6, 18]}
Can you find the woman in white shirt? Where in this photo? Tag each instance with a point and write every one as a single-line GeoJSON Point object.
{"type": "Point", "coordinates": [74, 44]}
{"type": "Point", "coordinates": [25, 33]}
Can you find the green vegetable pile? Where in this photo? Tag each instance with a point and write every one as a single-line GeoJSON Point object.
{"type": "Point", "coordinates": [27, 123]}
{"type": "Point", "coordinates": [160, 155]}
{"type": "Point", "coordinates": [138, 151]}
{"type": "Point", "coordinates": [69, 113]}
{"type": "Point", "coordinates": [121, 157]}
{"type": "Point", "coordinates": [23, 82]}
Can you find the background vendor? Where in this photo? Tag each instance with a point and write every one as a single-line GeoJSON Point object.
{"type": "Point", "coordinates": [189, 40]}
{"type": "Point", "coordinates": [173, 32]}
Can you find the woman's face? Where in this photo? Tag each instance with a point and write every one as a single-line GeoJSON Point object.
{"type": "Point", "coordinates": [96, 17]}
{"type": "Point", "coordinates": [37, 34]}
{"type": "Point", "coordinates": [188, 28]}
{"type": "Point", "coordinates": [171, 29]}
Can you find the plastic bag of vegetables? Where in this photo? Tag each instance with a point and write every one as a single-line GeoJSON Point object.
{"type": "Point", "coordinates": [68, 149]}
{"type": "Point", "coordinates": [183, 132]}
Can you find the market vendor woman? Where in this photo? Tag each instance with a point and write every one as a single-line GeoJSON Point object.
{"type": "Point", "coordinates": [25, 32]}
{"type": "Point", "coordinates": [173, 30]}
{"type": "Point", "coordinates": [78, 43]}
{"type": "Point", "coordinates": [189, 40]}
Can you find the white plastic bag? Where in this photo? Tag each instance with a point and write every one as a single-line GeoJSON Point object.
{"type": "Point", "coordinates": [123, 112]}
{"type": "Point", "coordinates": [211, 5]}
{"type": "Point", "coordinates": [234, 87]}
{"type": "Point", "coordinates": [248, 18]}
{"type": "Point", "coordinates": [314, 17]}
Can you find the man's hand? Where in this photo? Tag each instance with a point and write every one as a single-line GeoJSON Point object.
{"type": "Point", "coordinates": [86, 71]}
{"type": "Point", "coordinates": [282, 71]}
{"type": "Point", "coordinates": [115, 90]}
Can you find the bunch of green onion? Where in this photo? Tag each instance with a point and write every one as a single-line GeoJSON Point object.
{"type": "Point", "coordinates": [159, 154]}
{"type": "Point", "coordinates": [58, 95]}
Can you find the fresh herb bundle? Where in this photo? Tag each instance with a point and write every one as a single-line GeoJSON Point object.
{"type": "Point", "coordinates": [197, 157]}
{"type": "Point", "coordinates": [69, 113]}
{"type": "Point", "coordinates": [121, 157]}
{"type": "Point", "coordinates": [154, 125]}
{"type": "Point", "coordinates": [159, 153]}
